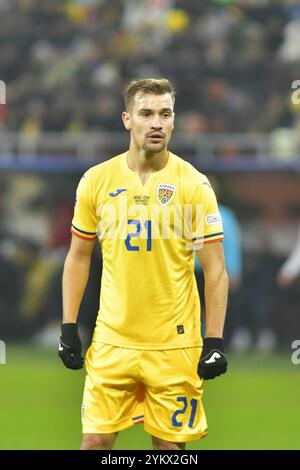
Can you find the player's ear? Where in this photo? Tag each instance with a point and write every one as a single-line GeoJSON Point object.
{"type": "Point", "coordinates": [126, 120]}
{"type": "Point", "coordinates": [173, 121]}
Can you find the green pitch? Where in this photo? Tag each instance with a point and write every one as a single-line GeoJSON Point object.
{"type": "Point", "coordinates": [255, 406]}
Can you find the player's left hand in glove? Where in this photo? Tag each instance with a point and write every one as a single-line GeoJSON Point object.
{"type": "Point", "coordinates": [213, 361]}
{"type": "Point", "coordinates": [69, 347]}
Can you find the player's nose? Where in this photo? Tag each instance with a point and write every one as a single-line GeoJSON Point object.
{"type": "Point", "coordinates": [156, 123]}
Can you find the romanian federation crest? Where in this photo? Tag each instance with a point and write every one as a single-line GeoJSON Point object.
{"type": "Point", "coordinates": [165, 193]}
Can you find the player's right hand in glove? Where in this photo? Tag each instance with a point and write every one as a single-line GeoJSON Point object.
{"type": "Point", "coordinates": [213, 361]}
{"type": "Point", "coordinates": [69, 347]}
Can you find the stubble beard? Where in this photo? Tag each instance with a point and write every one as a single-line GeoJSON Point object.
{"type": "Point", "coordinates": [154, 149]}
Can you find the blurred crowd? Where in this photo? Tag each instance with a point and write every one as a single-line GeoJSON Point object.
{"type": "Point", "coordinates": [66, 62]}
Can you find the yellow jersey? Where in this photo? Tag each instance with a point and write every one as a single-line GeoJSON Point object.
{"type": "Point", "coordinates": [148, 233]}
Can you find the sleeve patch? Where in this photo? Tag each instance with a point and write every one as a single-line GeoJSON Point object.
{"type": "Point", "coordinates": [212, 219]}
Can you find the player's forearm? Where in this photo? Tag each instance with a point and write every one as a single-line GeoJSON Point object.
{"type": "Point", "coordinates": [216, 292]}
{"type": "Point", "coordinates": [75, 277]}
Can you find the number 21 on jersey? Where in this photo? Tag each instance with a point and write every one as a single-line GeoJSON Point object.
{"type": "Point", "coordinates": [137, 233]}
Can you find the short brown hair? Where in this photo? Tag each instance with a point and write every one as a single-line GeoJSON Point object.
{"type": "Point", "coordinates": [155, 86]}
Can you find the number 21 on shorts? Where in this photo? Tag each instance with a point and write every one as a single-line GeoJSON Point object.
{"type": "Point", "coordinates": [190, 407]}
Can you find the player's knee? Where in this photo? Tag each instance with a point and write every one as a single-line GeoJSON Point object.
{"type": "Point", "coordinates": [159, 444]}
{"type": "Point", "coordinates": [97, 441]}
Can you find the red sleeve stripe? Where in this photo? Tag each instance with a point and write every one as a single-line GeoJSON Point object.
{"type": "Point", "coordinates": [82, 231]}
{"type": "Point", "coordinates": [215, 240]}
{"type": "Point", "coordinates": [82, 236]}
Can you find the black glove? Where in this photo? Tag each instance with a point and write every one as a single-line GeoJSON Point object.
{"type": "Point", "coordinates": [69, 347]}
{"type": "Point", "coordinates": [213, 361]}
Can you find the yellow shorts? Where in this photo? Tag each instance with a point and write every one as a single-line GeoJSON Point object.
{"type": "Point", "coordinates": [129, 386]}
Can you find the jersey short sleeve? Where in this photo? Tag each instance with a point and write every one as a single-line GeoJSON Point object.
{"type": "Point", "coordinates": [207, 222]}
{"type": "Point", "coordinates": [84, 223]}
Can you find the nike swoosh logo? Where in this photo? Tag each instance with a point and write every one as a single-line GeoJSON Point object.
{"type": "Point", "coordinates": [207, 184]}
{"type": "Point", "coordinates": [213, 358]}
{"type": "Point", "coordinates": [118, 191]}
{"type": "Point", "coordinates": [60, 348]}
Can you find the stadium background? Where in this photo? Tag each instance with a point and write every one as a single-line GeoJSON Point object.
{"type": "Point", "coordinates": [65, 64]}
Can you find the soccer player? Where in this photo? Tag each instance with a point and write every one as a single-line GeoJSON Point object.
{"type": "Point", "coordinates": [149, 210]}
